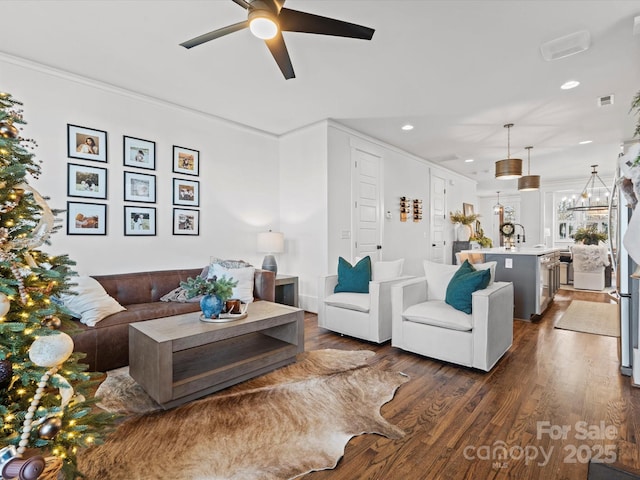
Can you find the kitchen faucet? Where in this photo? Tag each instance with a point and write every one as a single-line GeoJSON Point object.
{"type": "Point", "coordinates": [523, 234]}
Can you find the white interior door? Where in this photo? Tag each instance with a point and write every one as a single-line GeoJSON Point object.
{"type": "Point", "coordinates": [366, 203]}
{"type": "Point", "coordinates": [438, 219]}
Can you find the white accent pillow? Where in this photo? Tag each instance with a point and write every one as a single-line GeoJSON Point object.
{"type": "Point", "coordinates": [438, 276]}
{"type": "Point", "coordinates": [386, 270]}
{"type": "Point", "coordinates": [244, 276]}
{"type": "Point", "coordinates": [92, 302]}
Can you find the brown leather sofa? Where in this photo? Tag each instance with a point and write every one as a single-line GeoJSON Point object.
{"type": "Point", "coordinates": [107, 344]}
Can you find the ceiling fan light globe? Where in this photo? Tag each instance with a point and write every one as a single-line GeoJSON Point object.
{"type": "Point", "coordinates": [263, 27]}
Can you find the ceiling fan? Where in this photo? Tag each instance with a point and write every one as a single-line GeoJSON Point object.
{"type": "Point", "coordinates": [267, 19]}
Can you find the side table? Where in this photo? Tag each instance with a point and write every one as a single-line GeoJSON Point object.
{"type": "Point", "coordinates": [287, 290]}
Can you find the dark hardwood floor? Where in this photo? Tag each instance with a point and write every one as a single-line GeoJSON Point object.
{"type": "Point", "coordinates": [456, 419]}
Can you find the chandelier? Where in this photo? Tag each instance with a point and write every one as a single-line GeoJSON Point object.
{"type": "Point", "coordinates": [594, 197]}
{"type": "Point", "coordinates": [509, 168]}
{"type": "Point", "coordinates": [497, 208]}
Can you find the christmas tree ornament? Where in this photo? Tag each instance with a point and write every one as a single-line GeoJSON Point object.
{"type": "Point", "coordinates": [42, 231]}
{"type": "Point", "coordinates": [50, 428]}
{"type": "Point", "coordinates": [5, 304]}
{"type": "Point", "coordinates": [52, 322]}
{"type": "Point", "coordinates": [8, 130]}
{"type": "Point", "coordinates": [6, 372]}
{"type": "Point", "coordinates": [51, 350]}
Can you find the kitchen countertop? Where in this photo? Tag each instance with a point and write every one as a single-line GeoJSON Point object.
{"type": "Point", "coordinates": [516, 251]}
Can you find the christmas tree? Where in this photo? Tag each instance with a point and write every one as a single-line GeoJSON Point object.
{"type": "Point", "coordinates": [46, 406]}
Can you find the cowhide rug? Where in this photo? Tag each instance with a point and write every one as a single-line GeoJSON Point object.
{"type": "Point", "coordinates": [279, 426]}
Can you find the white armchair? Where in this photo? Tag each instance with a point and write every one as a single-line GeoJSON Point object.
{"type": "Point", "coordinates": [425, 324]}
{"type": "Point", "coordinates": [366, 316]}
{"type": "Point", "coordinates": [588, 266]}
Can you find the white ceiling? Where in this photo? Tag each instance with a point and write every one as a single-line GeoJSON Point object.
{"type": "Point", "coordinates": [457, 70]}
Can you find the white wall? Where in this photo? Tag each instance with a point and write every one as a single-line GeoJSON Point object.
{"type": "Point", "coordinates": [239, 172]}
{"type": "Point", "coordinates": [303, 208]}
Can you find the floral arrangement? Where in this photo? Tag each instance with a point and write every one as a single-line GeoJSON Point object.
{"type": "Point", "coordinates": [459, 217]}
{"type": "Point", "coordinates": [589, 235]}
{"type": "Point", "coordinates": [484, 242]}
{"type": "Point", "coordinates": [222, 288]}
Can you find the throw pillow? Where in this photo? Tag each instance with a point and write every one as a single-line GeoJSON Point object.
{"type": "Point", "coordinates": [353, 278]}
{"type": "Point", "coordinates": [386, 270]}
{"type": "Point", "coordinates": [92, 302]}
{"type": "Point", "coordinates": [244, 276]}
{"type": "Point", "coordinates": [438, 276]}
{"type": "Point", "coordinates": [463, 284]}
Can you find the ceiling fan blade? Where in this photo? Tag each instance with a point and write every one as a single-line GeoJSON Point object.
{"type": "Point", "coordinates": [242, 3]}
{"type": "Point", "coordinates": [296, 21]}
{"type": "Point", "coordinates": [279, 51]}
{"type": "Point", "coordinates": [194, 42]}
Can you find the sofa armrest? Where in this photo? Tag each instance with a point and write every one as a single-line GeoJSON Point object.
{"type": "Point", "coordinates": [326, 285]}
{"type": "Point", "coordinates": [380, 296]}
{"type": "Point", "coordinates": [264, 285]}
{"type": "Point", "coordinates": [403, 295]}
{"type": "Point", "coordinates": [492, 312]}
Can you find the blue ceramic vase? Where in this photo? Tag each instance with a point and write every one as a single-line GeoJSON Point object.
{"type": "Point", "coordinates": [211, 306]}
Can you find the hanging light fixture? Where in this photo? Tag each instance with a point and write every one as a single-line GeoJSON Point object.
{"type": "Point", "coordinates": [594, 197]}
{"type": "Point", "coordinates": [529, 182]}
{"type": "Point", "coordinates": [509, 168]}
{"type": "Point", "coordinates": [497, 208]}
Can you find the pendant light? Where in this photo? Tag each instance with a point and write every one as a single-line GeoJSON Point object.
{"type": "Point", "coordinates": [497, 208]}
{"type": "Point", "coordinates": [529, 182]}
{"type": "Point", "coordinates": [509, 168]}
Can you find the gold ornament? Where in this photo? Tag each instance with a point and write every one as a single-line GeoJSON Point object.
{"type": "Point", "coordinates": [52, 322]}
{"type": "Point", "coordinates": [8, 130]}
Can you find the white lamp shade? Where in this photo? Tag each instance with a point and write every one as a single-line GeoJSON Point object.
{"type": "Point", "coordinates": [271, 242]}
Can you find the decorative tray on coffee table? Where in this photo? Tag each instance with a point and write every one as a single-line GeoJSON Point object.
{"type": "Point", "coordinates": [224, 317]}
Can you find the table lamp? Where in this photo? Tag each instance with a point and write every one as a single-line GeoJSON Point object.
{"type": "Point", "coordinates": [270, 243]}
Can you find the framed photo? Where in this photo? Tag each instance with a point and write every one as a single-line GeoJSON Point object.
{"type": "Point", "coordinates": [186, 161]}
{"type": "Point", "coordinates": [86, 218]}
{"type": "Point", "coordinates": [86, 143]}
{"type": "Point", "coordinates": [139, 220]}
{"type": "Point", "coordinates": [186, 221]}
{"type": "Point", "coordinates": [88, 182]}
{"type": "Point", "coordinates": [139, 187]}
{"type": "Point", "coordinates": [139, 153]}
{"type": "Point", "coordinates": [467, 209]}
{"type": "Point", "coordinates": [186, 192]}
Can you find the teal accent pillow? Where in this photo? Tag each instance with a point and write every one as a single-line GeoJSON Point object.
{"type": "Point", "coordinates": [463, 283]}
{"type": "Point", "coordinates": [354, 278]}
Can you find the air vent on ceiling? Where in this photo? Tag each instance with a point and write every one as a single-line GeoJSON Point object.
{"type": "Point", "coordinates": [565, 46]}
{"type": "Point", "coordinates": [605, 100]}
{"type": "Point", "coordinates": [445, 158]}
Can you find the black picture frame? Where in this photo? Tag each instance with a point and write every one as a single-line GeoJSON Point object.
{"type": "Point", "coordinates": [86, 181]}
{"type": "Point", "coordinates": [138, 153]}
{"type": "Point", "coordinates": [186, 192]}
{"type": "Point", "coordinates": [186, 221]}
{"type": "Point", "coordinates": [85, 218]}
{"type": "Point", "coordinates": [186, 161]}
{"type": "Point", "coordinates": [139, 221]}
{"type": "Point", "coordinates": [86, 143]}
{"type": "Point", "coordinates": [139, 187]}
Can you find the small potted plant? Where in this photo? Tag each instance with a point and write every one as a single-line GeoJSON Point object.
{"type": "Point", "coordinates": [459, 218]}
{"type": "Point", "coordinates": [215, 292]}
{"type": "Point", "coordinates": [589, 235]}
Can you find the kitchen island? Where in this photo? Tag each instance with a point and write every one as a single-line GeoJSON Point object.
{"type": "Point", "coordinates": [534, 272]}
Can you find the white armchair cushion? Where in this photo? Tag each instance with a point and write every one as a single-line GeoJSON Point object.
{"type": "Point", "coordinates": [351, 301]}
{"type": "Point", "coordinates": [438, 276]}
{"type": "Point", "coordinates": [387, 270]}
{"type": "Point", "coordinates": [439, 314]}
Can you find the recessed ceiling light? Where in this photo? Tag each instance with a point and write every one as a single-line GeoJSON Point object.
{"type": "Point", "coordinates": [584, 142]}
{"type": "Point", "coordinates": [569, 85]}
{"type": "Point", "coordinates": [407, 127]}
{"type": "Point", "coordinates": [468, 160]}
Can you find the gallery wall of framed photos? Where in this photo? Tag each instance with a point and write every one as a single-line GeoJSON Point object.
{"type": "Point", "coordinates": [87, 185]}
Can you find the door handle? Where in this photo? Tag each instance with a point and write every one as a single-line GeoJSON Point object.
{"type": "Point", "coordinates": [378, 247]}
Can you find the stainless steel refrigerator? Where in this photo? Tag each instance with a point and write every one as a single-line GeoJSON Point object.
{"type": "Point", "coordinates": [627, 287]}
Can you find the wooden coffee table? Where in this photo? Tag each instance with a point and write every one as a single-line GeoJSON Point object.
{"type": "Point", "coordinates": [180, 358]}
